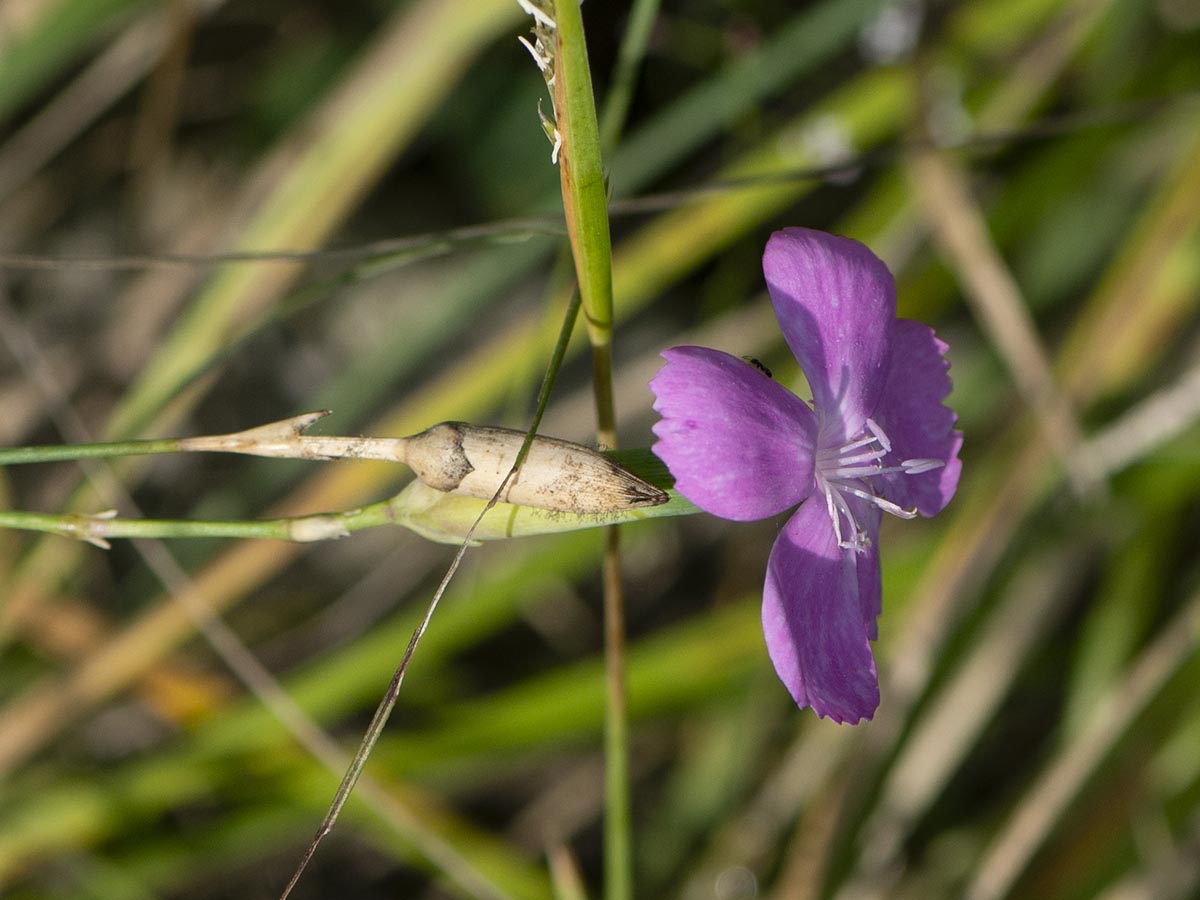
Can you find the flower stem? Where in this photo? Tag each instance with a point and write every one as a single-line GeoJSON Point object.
{"type": "Point", "coordinates": [12, 456]}
{"type": "Point", "coordinates": [618, 822]}
{"type": "Point", "coordinates": [99, 528]}
{"type": "Point", "coordinates": [585, 204]}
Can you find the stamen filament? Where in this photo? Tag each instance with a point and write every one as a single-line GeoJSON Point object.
{"type": "Point", "coordinates": [869, 456]}
{"type": "Point", "coordinates": [854, 445]}
{"type": "Point", "coordinates": [833, 514]}
{"type": "Point", "coordinates": [840, 471]}
{"type": "Point", "coordinates": [886, 505]}
{"type": "Point", "coordinates": [857, 543]}
{"type": "Point", "coordinates": [842, 474]}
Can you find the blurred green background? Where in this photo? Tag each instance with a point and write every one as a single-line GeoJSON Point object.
{"type": "Point", "coordinates": [1029, 169]}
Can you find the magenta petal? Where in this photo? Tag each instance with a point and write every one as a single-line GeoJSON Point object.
{"type": "Point", "coordinates": [836, 302]}
{"type": "Point", "coordinates": [918, 425]}
{"type": "Point", "coordinates": [813, 617]}
{"type": "Point", "coordinates": [739, 445]}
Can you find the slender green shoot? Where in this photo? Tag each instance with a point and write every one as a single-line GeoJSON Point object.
{"type": "Point", "coordinates": [97, 529]}
{"type": "Point", "coordinates": [585, 203]}
{"type": "Point", "coordinates": [13, 456]}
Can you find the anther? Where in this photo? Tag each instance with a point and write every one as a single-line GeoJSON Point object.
{"type": "Point", "coordinates": [880, 435]}
{"type": "Point", "coordinates": [918, 466]}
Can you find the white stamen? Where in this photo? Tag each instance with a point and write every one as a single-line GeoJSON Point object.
{"type": "Point", "coordinates": [886, 505]}
{"type": "Point", "coordinates": [833, 514]}
{"type": "Point", "coordinates": [843, 472]}
{"type": "Point", "coordinates": [848, 468]}
{"type": "Point", "coordinates": [918, 466]}
{"type": "Point", "coordinates": [844, 508]}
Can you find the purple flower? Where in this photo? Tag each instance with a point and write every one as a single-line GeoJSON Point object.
{"type": "Point", "coordinates": [876, 439]}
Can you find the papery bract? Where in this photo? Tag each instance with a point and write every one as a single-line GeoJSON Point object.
{"type": "Point", "coordinates": [877, 438]}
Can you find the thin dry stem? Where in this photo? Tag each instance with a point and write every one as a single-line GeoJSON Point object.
{"type": "Point", "coordinates": [1154, 421]}
{"type": "Point", "coordinates": [961, 232]}
{"type": "Point", "coordinates": [103, 82]}
{"type": "Point", "coordinates": [354, 768]}
{"type": "Point", "coordinates": [150, 145]}
{"type": "Point", "coordinates": [955, 718]}
{"type": "Point", "coordinates": [1027, 828]}
{"type": "Point", "coordinates": [1043, 62]}
{"type": "Point", "coordinates": [286, 439]}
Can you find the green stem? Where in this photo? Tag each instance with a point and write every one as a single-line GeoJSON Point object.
{"type": "Point", "coordinates": [585, 204]}
{"type": "Point", "coordinates": [618, 820]}
{"type": "Point", "coordinates": [13, 456]}
{"type": "Point", "coordinates": [98, 529]}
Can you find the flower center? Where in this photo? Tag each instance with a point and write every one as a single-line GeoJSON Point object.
{"type": "Point", "coordinates": [847, 469]}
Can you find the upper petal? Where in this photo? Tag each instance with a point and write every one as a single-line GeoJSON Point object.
{"type": "Point", "coordinates": [739, 445]}
{"type": "Point", "coordinates": [918, 425]}
{"type": "Point", "coordinates": [814, 612]}
{"type": "Point", "coordinates": [836, 302]}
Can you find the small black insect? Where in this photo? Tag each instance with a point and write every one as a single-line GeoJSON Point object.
{"type": "Point", "coordinates": [757, 363]}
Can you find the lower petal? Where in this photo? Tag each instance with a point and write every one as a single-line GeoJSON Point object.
{"type": "Point", "coordinates": [870, 579]}
{"type": "Point", "coordinates": [910, 411]}
{"type": "Point", "coordinates": [814, 617]}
